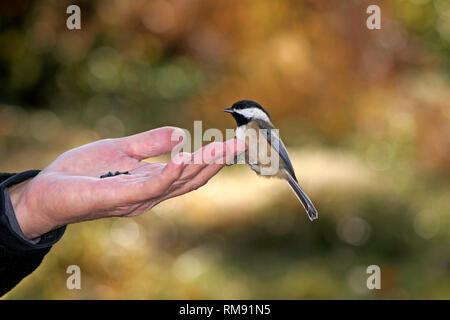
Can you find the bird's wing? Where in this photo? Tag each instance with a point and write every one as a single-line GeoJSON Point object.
{"type": "Point", "coordinates": [274, 139]}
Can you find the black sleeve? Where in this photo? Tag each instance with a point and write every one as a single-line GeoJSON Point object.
{"type": "Point", "coordinates": [19, 256]}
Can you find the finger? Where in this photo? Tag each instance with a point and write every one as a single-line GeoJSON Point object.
{"type": "Point", "coordinates": [154, 185]}
{"type": "Point", "coordinates": [219, 152]}
{"type": "Point", "coordinates": [234, 148]}
{"type": "Point", "coordinates": [198, 181]}
{"type": "Point", "coordinates": [176, 170]}
{"type": "Point", "coordinates": [203, 177]}
{"type": "Point", "coordinates": [201, 158]}
{"type": "Point", "coordinates": [152, 143]}
{"type": "Point", "coordinates": [215, 161]}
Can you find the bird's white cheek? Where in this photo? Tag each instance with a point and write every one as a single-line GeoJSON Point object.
{"type": "Point", "coordinates": [254, 113]}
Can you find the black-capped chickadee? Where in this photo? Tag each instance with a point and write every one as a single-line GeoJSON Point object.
{"type": "Point", "coordinates": [253, 120]}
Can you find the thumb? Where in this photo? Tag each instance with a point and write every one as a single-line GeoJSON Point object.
{"type": "Point", "coordinates": [152, 143]}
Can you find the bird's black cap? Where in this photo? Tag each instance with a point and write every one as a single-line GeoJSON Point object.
{"type": "Point", "coordinates": [245, 104]}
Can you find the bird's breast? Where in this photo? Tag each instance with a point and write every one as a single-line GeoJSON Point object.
{"type": "Point", "coordinates": [259, 153]}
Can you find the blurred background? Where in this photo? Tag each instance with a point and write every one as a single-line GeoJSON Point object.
{"type": "Point", "coordinates": [364, 114]}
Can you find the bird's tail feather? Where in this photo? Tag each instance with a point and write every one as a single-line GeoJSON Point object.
{"type": "Point", "coordinates": [302, 197]}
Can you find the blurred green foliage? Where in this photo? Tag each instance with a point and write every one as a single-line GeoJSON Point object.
{"type": "Point", "coordinates": [371, 109]}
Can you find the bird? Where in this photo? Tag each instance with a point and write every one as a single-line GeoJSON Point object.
{"type": "Point", "coordinates": [251, 117]}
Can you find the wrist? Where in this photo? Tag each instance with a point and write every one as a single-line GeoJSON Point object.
{"type": "Point", "coordinates": [17, 194]}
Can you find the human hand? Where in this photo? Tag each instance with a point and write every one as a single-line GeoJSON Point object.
{"type": "Point", "coordinates": [69, 190]}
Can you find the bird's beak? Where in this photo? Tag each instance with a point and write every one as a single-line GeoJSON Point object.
{"type": "Point", "coordinates": [229, 110]}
